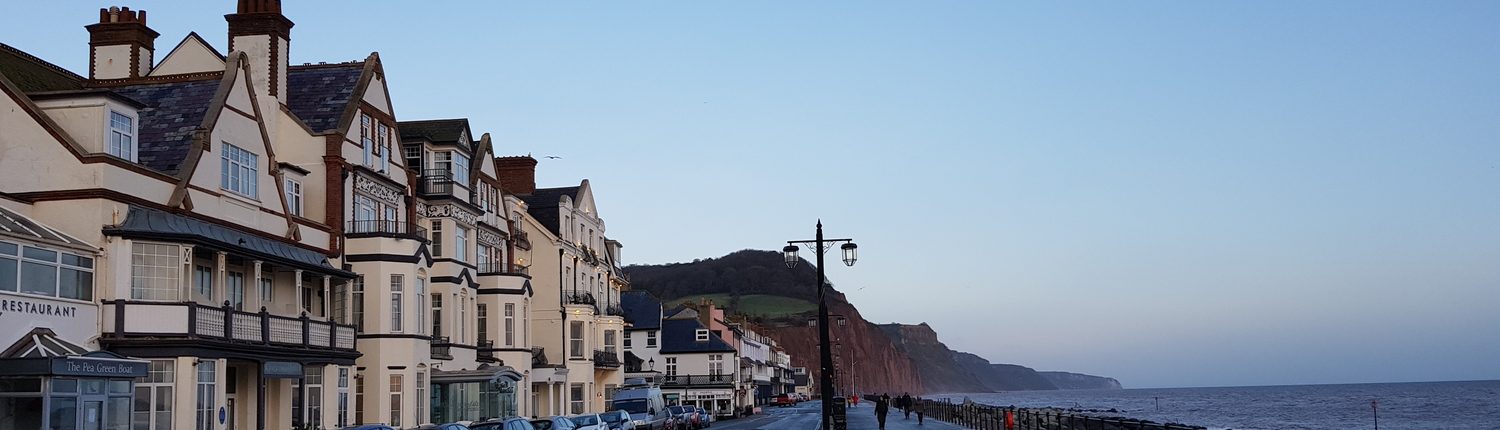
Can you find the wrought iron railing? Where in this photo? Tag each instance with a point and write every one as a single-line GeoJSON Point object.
{"type": "Point", "coordinates": [386, 228]}
{"type": "Point", "coordinates": [614, 310]}
{"type": "Point", "coordinates": [582, 299]}
{"type": "Point", "coordinates": [696, 380]}
{"type": "Point", "coordinates": [436, 182]}
{"type": "Point", "coordinates": [609, 359]}
{"type": "Point", "coordinates": [442, 348]}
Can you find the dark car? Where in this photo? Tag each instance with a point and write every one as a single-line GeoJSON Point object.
{"type": "Point", "coordinates": [705, 419]}
{"type": "Point", "coordinates": [369, 427]}
{"type": "Point", "coordinates": [618, 420]}
{"type": "Point", "coordinates": [448, 426]}
{"type": "Point", "coordinates": [512, 423]}
{"type": "Point", "coordinates": [684, 417]}
{"type": "Point", "coordinates": [553, 423]}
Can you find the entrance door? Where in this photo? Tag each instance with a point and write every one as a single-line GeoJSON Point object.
{"type": "Point", "coordinates": [93, 413]}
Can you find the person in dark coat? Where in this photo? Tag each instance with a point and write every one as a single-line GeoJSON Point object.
{"type": "Point", "coordinates": [906, 405]}
{"type": "Point", "coordinates": [882, 407]}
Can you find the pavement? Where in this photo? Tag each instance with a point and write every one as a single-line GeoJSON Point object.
{"type": "Point", "coordinates": [804, 416]}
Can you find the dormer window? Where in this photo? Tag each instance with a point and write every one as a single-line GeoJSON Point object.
{"type": "Point", "coordinates": [461, 169]}
{"type": "Point", "coordinates": [121, 136]}
{"type": "Point", "coordinates": [702, 335]}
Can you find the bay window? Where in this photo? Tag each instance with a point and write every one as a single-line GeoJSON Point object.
{"type": "Point", "coordinates": [45, 272]}
{"type": "Point", "coordinates": [155, 270]}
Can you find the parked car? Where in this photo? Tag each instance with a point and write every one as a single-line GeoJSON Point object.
{"type": "Point", "coordinates": [553, 423]}
{"type": "Point", "coordinates": [512, 423]}
{"type": "Point", "coordinates": [785, 400]}
{"type": "Point", "coordinates": [686, 417]}
{"type": "Point", "coordinates": [589, 422]}
{"type": "Point", "coordinates": [618, 420]}
{"type": "Point", "coordinates": [706, 418]}
{"type": "Point", "coordinates": [448, 426]}
{"type": "Point", "coordinates": [369, 427]}
{"type": "Point", "coordinates": [644, 402]}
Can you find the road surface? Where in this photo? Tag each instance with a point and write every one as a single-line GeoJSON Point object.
{"type": "Point", "coordinates": [804, 416]}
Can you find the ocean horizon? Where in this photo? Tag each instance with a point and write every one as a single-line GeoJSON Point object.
{"type": "Point", "coordinates": [1461, 405]}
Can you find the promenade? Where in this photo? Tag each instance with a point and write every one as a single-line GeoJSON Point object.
{"type": "Point", "coordinates": [804, 416]}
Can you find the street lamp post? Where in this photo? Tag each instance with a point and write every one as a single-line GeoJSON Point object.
{"type": "Point", "coordinates": [821, 245]}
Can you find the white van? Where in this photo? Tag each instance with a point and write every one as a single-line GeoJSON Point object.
{"type": "Point", "coordinates": [644, 402]}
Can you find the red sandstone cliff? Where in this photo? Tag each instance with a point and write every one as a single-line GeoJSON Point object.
{"type": "Point", "coordinates": [875, 365]}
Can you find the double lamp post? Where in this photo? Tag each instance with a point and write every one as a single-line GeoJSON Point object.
{"type": "Point", "coordinates": [821, 245]}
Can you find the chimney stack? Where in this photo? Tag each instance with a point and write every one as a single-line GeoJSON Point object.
{"type": "Point", "coordinates": [258, 29]}
{"type": "Point", "coordinates": [517, 174]}
{"type": "Point", "coordinates": [120, 45]}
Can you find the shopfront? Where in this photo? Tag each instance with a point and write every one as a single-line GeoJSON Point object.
{"type": "Point", "coordinates": [49, 384]}
{"type": "Point", "coordinates": [473, 395]}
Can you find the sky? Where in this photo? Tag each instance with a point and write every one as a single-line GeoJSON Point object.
{"type": "Point", "coordinates": [1169, 193]}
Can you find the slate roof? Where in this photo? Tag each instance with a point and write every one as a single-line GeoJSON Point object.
{"type": "Point", "coordinates": [31, 74]}
{"type": "Point", "coordinates": [434, 130]}
{"type": "Point", "coordinates": [542, 205]}
{"type": "Point", "coordinates": [15, 224]}
{"type": "Point", "coordinates": [319, 93]}
{"type": "Point", "coordinates": [642, 310]}
{"type": "Point", "coordinates": [173, 112]}
{"type": "Point", "coordinates": [145, 223]}
{"type": "Point", "coordinates": [680, 336]}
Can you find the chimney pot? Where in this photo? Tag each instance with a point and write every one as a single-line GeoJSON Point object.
{"type": "Point", "coordinates": [120, 27]}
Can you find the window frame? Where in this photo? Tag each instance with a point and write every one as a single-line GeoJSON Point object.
{"type": "Point", "coordinates": [397, 284]}
{"type": "Point", "coordinates": [111, 133]}
{"type": "Point", "coordinates": [576, 345]}
{"type": "Point", "coordinates": [173, 270]}
{"type": "Point", "coordinates": [57, 265]}
{"type": "Point", "coordinates": [294, 201]}
{"type": "Point", "coordinates": [239, 171]}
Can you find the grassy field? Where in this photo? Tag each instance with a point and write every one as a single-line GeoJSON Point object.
{"type": "Point", "coordinates": [756, 304]}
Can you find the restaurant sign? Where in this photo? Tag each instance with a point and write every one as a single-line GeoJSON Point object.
{"type": "Point", "coordinates": [98, 367]}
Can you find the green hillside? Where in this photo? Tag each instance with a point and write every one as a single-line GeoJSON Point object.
{"type": "Point", "coordinates": [760, 305]}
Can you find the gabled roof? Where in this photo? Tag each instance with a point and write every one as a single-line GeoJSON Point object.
{"type": "Point", "coordinates": [31, 74]}
{"type": "Point", "coordinates": [40, 343]}
{"type": "Point", "coordinates": [642, 310]}
{"type": "Point", "coordinates": [17, 225]}
{"type": "Point", "coordinates": [542, 204]}
{"type": "Point", "coordinates": [436, 130]}
{"type": "Point", "coordinates": [173, 112]}
{"type": "Point", "coordinates": [679, 336]}
{"type": "Point", "coordinates": [320, 93]}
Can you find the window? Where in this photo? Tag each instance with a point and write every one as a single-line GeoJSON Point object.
{"type": "Point", "coordinates": [313, 399]}
{"type": "Point", "coordinates": [421, 394]}
{"type": "Point", "coordinates": [383, 148]}
{"type": "Point", "coordinates": [364, 210]}
{"type": "Point", "coordinates": [46, 272]}
{"type": "Point", "coordinates": [359, 397]}
{"type": "Point", "coordinates": [461, 169]}
{"type": "Point", "coordinates": [121, 136]}
{"type": "Point", "coordinates": [482, 257]}
{"type": "Point", "coordinates": [395, 390]}
{"type": "Point", "coordinates": [609, 341]}
{"type": "Point", "coordinates": [396, 281]}
{"type": "Point", "coordinates": [463, 321]}
{"type": "Point", "coordinates": [651, 339]}
{"type": "Point", "coordinates": [576, 398]}
{"type": "Point", "coordinates": [701, 335]}
{"type": "Point", "coordinates": [205, 415]}
{"type": "Point", "coordinates": [671, 366]}
{"type": "Point", "coordinates": [154, 271]}
{"type": "Point", "coordinates": [437, 238]}
{"type": "Point", "coordinates": [267, 291]}
{"type": "Point", "coordinates": [239, 171]}
{"type": "Point", "coordinates": [359, 308]}
{"type": "Point", "coordinates": [716, 364]}
{"type": "Point", "coordinates": [627, 341]}
{"type": "Point", "coordinates": [482, 315]}
{"type": "Point", "coordinates": [235, 289]}
{"type": "Point", "coordinates": [294, 196]}
{"type": "Point", "coordinates": [461, 243]}
{"type": "Point", "coordinates": [575, 339]}
{"type": "Point", "coordinates": [340, 303]}
{"type": "Point", "coordinates": [153, 397]}
{"type": "Point", "coordinates": [437, 315]}
{"type": "Point", "coordinates": [414, 156]}
{"type": "Point", "coordinates": [203, 283]}
{"type": "Point", "coordinates": [342, 419]}
{"type": "Point", "coordinates": [366, 138]}
{"type": "Point", "coordinates": [510, 324]}
{"type": "Point", "coordinates": [421, 302]}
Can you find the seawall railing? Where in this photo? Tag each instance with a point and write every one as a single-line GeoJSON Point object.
{"type": "Point", "coordinates": [985, 417]}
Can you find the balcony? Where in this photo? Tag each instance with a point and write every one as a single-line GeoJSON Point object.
{"type": "Point", "coordinates": [685, 381]}
{"type": "Point", "coordinates": [485, 353]}
{"type": "Point", "coordinates": [583, 299]}
{"type": "Point", "coordinates": [442, 348]}
{"type": "Point", "coordinates": [500, 269]}
{"type": "Point", "coordinates": [607, 359]}
{"type": "Point", "coordinates": [614, 310]}
{"type": "Point", "coordinates": [435, 183]}
{"type": "Point", "coordinates": [141, 323]}
{"type": "Point", "coordinates": [395, 229]}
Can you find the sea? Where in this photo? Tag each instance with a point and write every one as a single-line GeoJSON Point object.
{"type": "Point", "coordinates": [1471, 405]}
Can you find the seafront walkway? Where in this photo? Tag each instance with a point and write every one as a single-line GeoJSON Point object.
{"type": "Point", "coordinates": [804, 416]}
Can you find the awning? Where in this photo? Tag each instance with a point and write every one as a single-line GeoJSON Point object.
{"type": "Point", "coordinates": [42, 353]}
{"type": "Point", "coordinates": [485, 372]}
{"type": "Point", "coordinates": [145, 223]}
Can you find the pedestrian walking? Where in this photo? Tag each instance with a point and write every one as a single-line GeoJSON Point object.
{"type": "Point", "coordinates": [882, 406]}
{"type": "Point", "coordinates": [920, 410]}
{"type": "Point", "coordinates": [906, 405]}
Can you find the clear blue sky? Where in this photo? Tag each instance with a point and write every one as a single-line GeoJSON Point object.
{"type": "Point", "coordinates": [1171, 193]}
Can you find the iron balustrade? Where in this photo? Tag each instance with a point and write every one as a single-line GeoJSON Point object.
{"type": "Point", "coordinates": [614, 310]}
{"type": "Point", "coordinates": [436, 182]}
{"type": "Point", "coordinates": [132, 318]}
{"type": "Point", "coordinates": [442, 348]}
{"type": "Point", "coordinates": [608, 359]}
{"type": "Point", "coordinates": [986, 417]}
{"type": "Point", "coordinates": [697, 380]}
{"type": "Point", "coordinates": [500, 269]}
{"type": "Point", "coordinates": [385, 228]}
